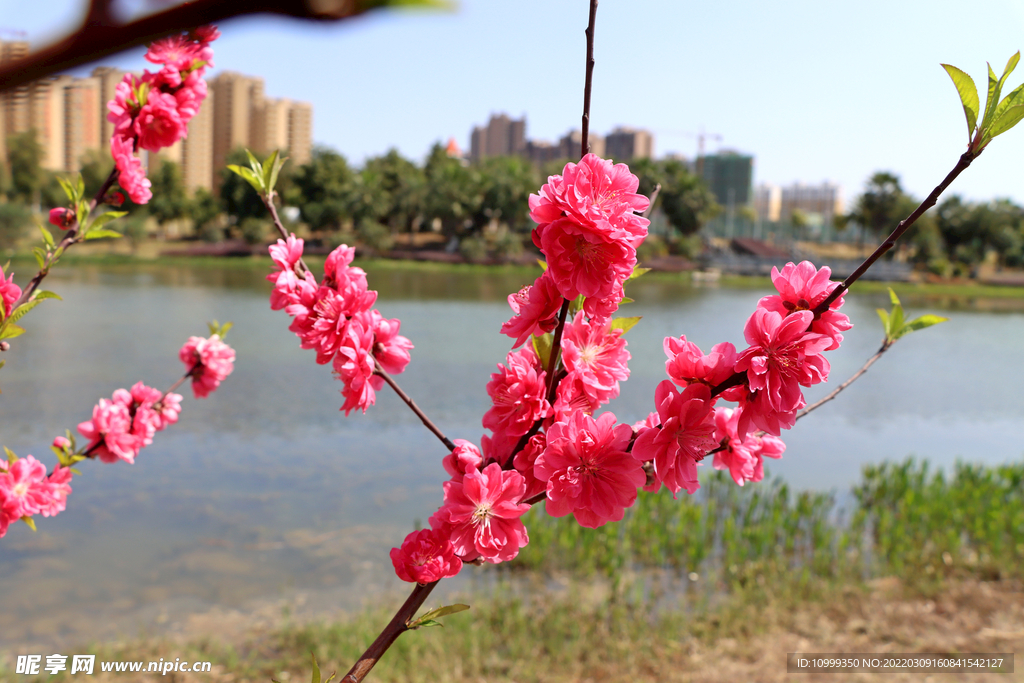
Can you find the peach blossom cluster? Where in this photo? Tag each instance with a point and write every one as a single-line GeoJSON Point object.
{"type": "Point", "coordinates": [152, 111]}
{"type": "Point", "coordinates": [336, 318]}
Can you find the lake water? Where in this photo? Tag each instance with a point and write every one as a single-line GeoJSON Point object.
{"type": "Point", "coordinates": [264, 495]}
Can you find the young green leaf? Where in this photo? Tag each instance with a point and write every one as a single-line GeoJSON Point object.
{"type": "Point", "coordinates": [625, 324]}
{"type": "Point", "coordinates": [19, 312]}
{"type": "Point", "coordinates": [637, 272]}
{"type": "Point", "coordinates": [11, 457]}
{"type": "Point", "coordinates": [430, 618]}
{"type": "Point", "coordinates": [542, 347]}
{"type": "Point", "coordinates": [47, 237]}
{"type": "Point", "coordinates": [922, 322]}
{"type": "Point", "coordinates": [68, 189]}
{"type": "Point", "coordinates": [254, 163]}
{"type": "Point", "coordinates": [30, 522]}
{"type": "Point", "coordinates": [105, 218]}
{"type": "Point", "coordinates": [248, 175]}
{"type": "Point", "coordinates": [1009, 112]}
{"type": "Point", "coordinates": [45, 294]}
{"type": "Point", "coordinates": [40, 257]}
{"type": "Point", "coordinates": [543, 264]}
{"type": "Point", "coordinates": [968, 96]}
{"type": "Point", "coordinates": [97, 234]}
{"type": "Point", "coordinates": [10, 331]}
{"type": "Point", "coordinates": [80, 186]}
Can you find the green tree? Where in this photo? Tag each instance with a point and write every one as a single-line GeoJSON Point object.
{"type": "Point", "coordinates": [15, 218]}
{"type": "Point", "coordinates": [322, 190]}
{"type": "Point", "coordinates": [453, 194]}
{"type": "Point", "coordinates": [397, 188]}
{"type": "Point", "coordinates": [203, 208]}
{"type": "Point", "coordinates": [506, 184]}
{"type": "Point", "coordinates": [882, 205]}
{"type": "Point", "coordinates": [170, 200]}
{"type": "Point", "coordinates": [96, 168]}
{"type": "Point", "coordinates": [24, 158]}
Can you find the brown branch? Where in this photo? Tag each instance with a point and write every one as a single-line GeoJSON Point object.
{"type": "Point", "coordinates": [654, 198]}
{"type": "Point", "coordinates": [399, 624]}
{"type": "Point", "coordinates": [268, 201]}
{"type": "Point", "coordinates": [413, 407]}
{"type": "Point", "coordinates": [965, 160]}
{"type": "Point", "coordinates": [835, 392]}
{"type": "Point", "coordinates": [584, 136]}
{"type": "Point", "coordinates": [100, 36]}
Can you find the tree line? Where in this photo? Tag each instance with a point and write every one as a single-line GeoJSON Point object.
{"type": "Point", "coordinates": [480, 210]}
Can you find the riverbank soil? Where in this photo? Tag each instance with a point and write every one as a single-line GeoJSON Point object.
{"type": "Point", "coordinates": [582, 639]}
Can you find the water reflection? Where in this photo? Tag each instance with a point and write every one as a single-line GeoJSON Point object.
{"type": "Point", "coordinates": [266, 492]}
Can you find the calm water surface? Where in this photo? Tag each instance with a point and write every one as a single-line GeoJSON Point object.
{"type": "Point", "coordinates": [264, 494]}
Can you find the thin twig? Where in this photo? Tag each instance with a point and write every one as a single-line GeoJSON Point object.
{"type": "Point", "coordinates": [413, 407]}
{"type": "Point", "coordinates": [268, 201]}
{"type": "Point", "coordinates": [835, 392]}
{"type": "Point", "coordinates": [965, 160]}
{"type": "Point", "coordinates": [584, 141]}
{"type": "Point", "coordinates": [399, 624]}
{"type": "Point", "coordinates": [71, 237]}
{"type": "Point", "coordinates": [654, 198]}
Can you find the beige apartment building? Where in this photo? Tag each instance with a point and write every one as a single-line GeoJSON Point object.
{"type": "Point", "coordinates": [69, 116]}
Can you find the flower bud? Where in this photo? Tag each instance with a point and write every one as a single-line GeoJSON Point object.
{"type": "Point", "coordinates": [63, 218]}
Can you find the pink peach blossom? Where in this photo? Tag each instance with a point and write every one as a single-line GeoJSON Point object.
{"type": "Point", "coordinates": [158, 124]}
{"type": "Point", "coordinates": [801, 288]}
{"type": "Point", "coordinates": [483, 512]}
{"type": "Point", "coordinates": [110, 432]}
{"type": "Point", "coordinates": [9, 292]}
{"type": "Point", "coordinates": [426, 556]}
{"type": "Point", "coordinates": [390, 349]}
{"type": "Point", "coordinates": [536, 309]}
{"type": "Point", "coordinates": [525, 461]}
{"type": "Point", "coordinates": [131, 177]}
{"type": "Point", "coordinates": [597, 355]}
{"type": "Point", "coordinates": [517, 394]}
{"type": "Point", "coordinates": [582, 262]}
{"type": "Point", "coordinates": [685, 436]}
{"type": "Point", "coordinates": [465, 458]}
{"type": "Point", "coordinates": [210, 362]}
{"type": "Point", "coordinates": [735, 454]}
{"type": "Point", "coordinates": [588, 471]}
{"type": "Point", "coordinates": [597, 194]}
{"type": "Point", "coordinates": [686, 363]}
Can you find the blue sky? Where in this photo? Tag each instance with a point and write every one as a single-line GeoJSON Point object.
{"type": "Point", "coordinates": [814, 90]}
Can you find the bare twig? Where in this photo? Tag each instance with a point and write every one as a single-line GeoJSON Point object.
{"type": "Point", "coordinates": [584, 141]}
{"type": "Point", "coordinates": [654, 198]}
{"type": "Point", "coordinates": [853, 378]}
{"type": "Point", "coordinates": [427, 422]}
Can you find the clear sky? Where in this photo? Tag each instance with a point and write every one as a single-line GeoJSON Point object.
{"type": "Point", "coordinates": [813, 90]}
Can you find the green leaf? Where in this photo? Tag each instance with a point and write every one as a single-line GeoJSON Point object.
{"type": "Point", "coordinates": [45, 294]}
{"type": "Point", "coordinates": [637, 272]}
{"type": "Point", "coordinates": [19, 312]}
{"type": "Point", "coordinates": [922, 322]}
{"type": "Point", "coordinates": [316, 669]}
{"type": "Point", "coordinates": [994, 89]}
{"type": "Point", "coordinates": [425, 623]}
{"type": "Point", "coordinates": [257, 167]}
{"type": "Point", "coordinates": [47, 237]}
{"type": "Point", "coordinates": [68, 189]}
{"type": "Point", "coordinates": [543, 264]}
{"type": "Point", "coordinates": [224, 329]}
{"type": "Point", "coordinates": [893, 299]}
{"type": "Point", "coordinates": [74, 470]}
{"type": "Point", "coordinates": [968, 96]}
{"type": "Point", "coordinates": [542, 346]}
{"type": "Point", "coordinates": [82, 212]}
{"type": "Point", "coordinates": [105, 218]}
{"type": "Point", "coordinates": [11, 457]}
{"type": "Point", "coordinates": [626, 300]}
{"type": "Point", "coordinates": [40, 256]}
{"type": "Point", "coordinates": [576, 305]}
{"type": "Point", "coordinates": [1009, 112]}
{"type": "Point", "coordinates": [884, 317]}
{"type": "Point", "coordinates": [11, 331]}
{"type": "Point", "coordinates": [31, 522]}
{"type": "Point", "coordinates": [101, 233]}
{"type": "Point", "coordinates": [625, 324]}
{"type": "Point", "coordinates": [444, 611]}
{"type": "Point", "coordinates": [250, 177]}
{"type": "Point", "coordinates": [80, 186]}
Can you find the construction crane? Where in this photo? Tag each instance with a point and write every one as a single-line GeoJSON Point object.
{"type": "Point", "coordinates": [701, 137]}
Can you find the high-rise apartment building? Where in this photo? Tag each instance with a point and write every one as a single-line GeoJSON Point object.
{"type": "Point", "coordinates": [625, 144]}
{"type": "Point", "coordinates": [501, 136]}
{"type": "Point", "coordinates": [236, 101]}
{"type": "Point", "coordinates": [69, 117]}
{"type": "Point", "coordinates": [729, 176]}
{"type": "Point", "coordinates": [821, 203]}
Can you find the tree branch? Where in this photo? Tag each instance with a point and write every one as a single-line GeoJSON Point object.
{"type": "Point", "coordinates": [584, 136]}
{"type": "Point", "coordinates": [413, 407]}
{"type": "Point", "coordinates": [397, 626]}
{"type": "Point", "coordinates": [835, 392]}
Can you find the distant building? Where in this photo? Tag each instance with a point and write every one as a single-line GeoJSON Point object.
{"type": "Point", "coordinates": [729, 176]}
{"type": "Point", "coordinates": [501, 137]}
{"type": "Point", "coordinates": [625, 144]}
{"type": "Point", "coordinates": [820, 203]}
{"type": "Point", "coordinates": [768, 202]}
{"type": "Point", "coordinates": [69, 117]}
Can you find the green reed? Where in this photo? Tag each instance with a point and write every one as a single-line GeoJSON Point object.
{"type": "Point", "coordinates": [903, 519]}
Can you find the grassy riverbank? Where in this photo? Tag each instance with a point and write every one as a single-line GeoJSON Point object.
{"type": "Point", "coordinates": [714, 587]}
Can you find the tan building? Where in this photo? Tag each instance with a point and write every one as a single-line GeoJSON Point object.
{"type": "Point", "coordinates": [819, 203]}
{"type": "Point", "coordinates": [300, 133]}
{"type": "Point", "coordinates": [626, 144]}
{"type": "Point", "coordinates": [108, 78]}
{"type": "Point", "coordinates": [194, 152]}
{"type": "Point", "coordinates": [501, 137]}
{"type": "Point", "coordinates": [82, 122]}
{"type": "Point", "coordinates": [768, 202]}
{"type": "Point", "coordinates": [235, 101]}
